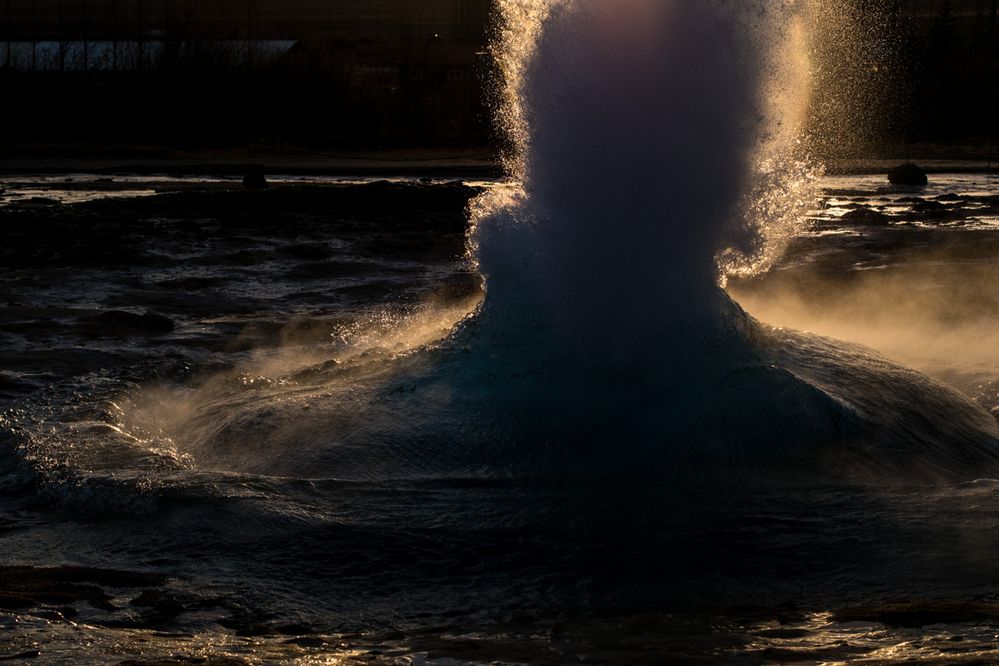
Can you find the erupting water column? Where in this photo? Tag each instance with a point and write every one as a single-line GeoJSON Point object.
{"type": "Point", "coordinates": [646, 135]}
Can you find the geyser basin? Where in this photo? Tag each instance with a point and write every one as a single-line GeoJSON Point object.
{"type": "Point", "coordinates": [605, 434]}
{"type": "Point", "coordinates": [103, 472]}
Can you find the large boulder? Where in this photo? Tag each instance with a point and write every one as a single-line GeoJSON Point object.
{"type": "Point", "coordinates": [908, 175]}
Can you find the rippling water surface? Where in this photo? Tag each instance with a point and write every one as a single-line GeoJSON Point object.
{"type": "Point", "coordinates": [172, 486]}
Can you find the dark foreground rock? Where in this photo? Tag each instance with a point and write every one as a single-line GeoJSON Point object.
{"type": "Point", "coordinates": [907, 175]}
{"type": "Point", "coordinates": [867, 216]}
{"type": "Point", "coordinates": [163, 605]}
{"type": "Point", "coordinates": [59, 588]}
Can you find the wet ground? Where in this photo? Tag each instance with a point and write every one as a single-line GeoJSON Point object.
{"type": "Point", "coordinates": [115, 284]}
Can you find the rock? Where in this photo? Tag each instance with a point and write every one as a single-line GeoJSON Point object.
{"type": "Point", "coordinates": [47, 592]}
{"type": "Point", "coordinates": [255, 180]}
{"type": "Point", "coordinates": [30, 654]}
{"type": "Point", "coordinates": [925, 205]}
{"type": "Point", "coordinates": [163, 604]}
{"type": "Point", "coordinates": [294, 629]}
{"type": "Point", "coordinates": [39, 202]}
{"type": "Point", "coordinates": [118, 323]}
{"type": "Point", "coordinates": [930, 208]}
{"type": "Point", "coordinates": [908, 175]}
{"type": "Point", "coordinates": [867, 216]}
{"type": "Point", "coordinates": [50, 615]}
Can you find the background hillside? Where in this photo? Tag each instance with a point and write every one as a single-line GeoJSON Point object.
{"type": "Point", "coordinates": [314, 75]}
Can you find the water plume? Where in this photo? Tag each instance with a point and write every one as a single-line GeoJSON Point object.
{"type": "Point", "coordinates": [656, 145]}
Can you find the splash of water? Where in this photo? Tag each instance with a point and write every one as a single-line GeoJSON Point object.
{"type": "Point", "coordinates": [646, 136]}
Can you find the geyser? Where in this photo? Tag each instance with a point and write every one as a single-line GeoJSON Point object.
{"type": "Point", "coordinates": [644, 132]}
